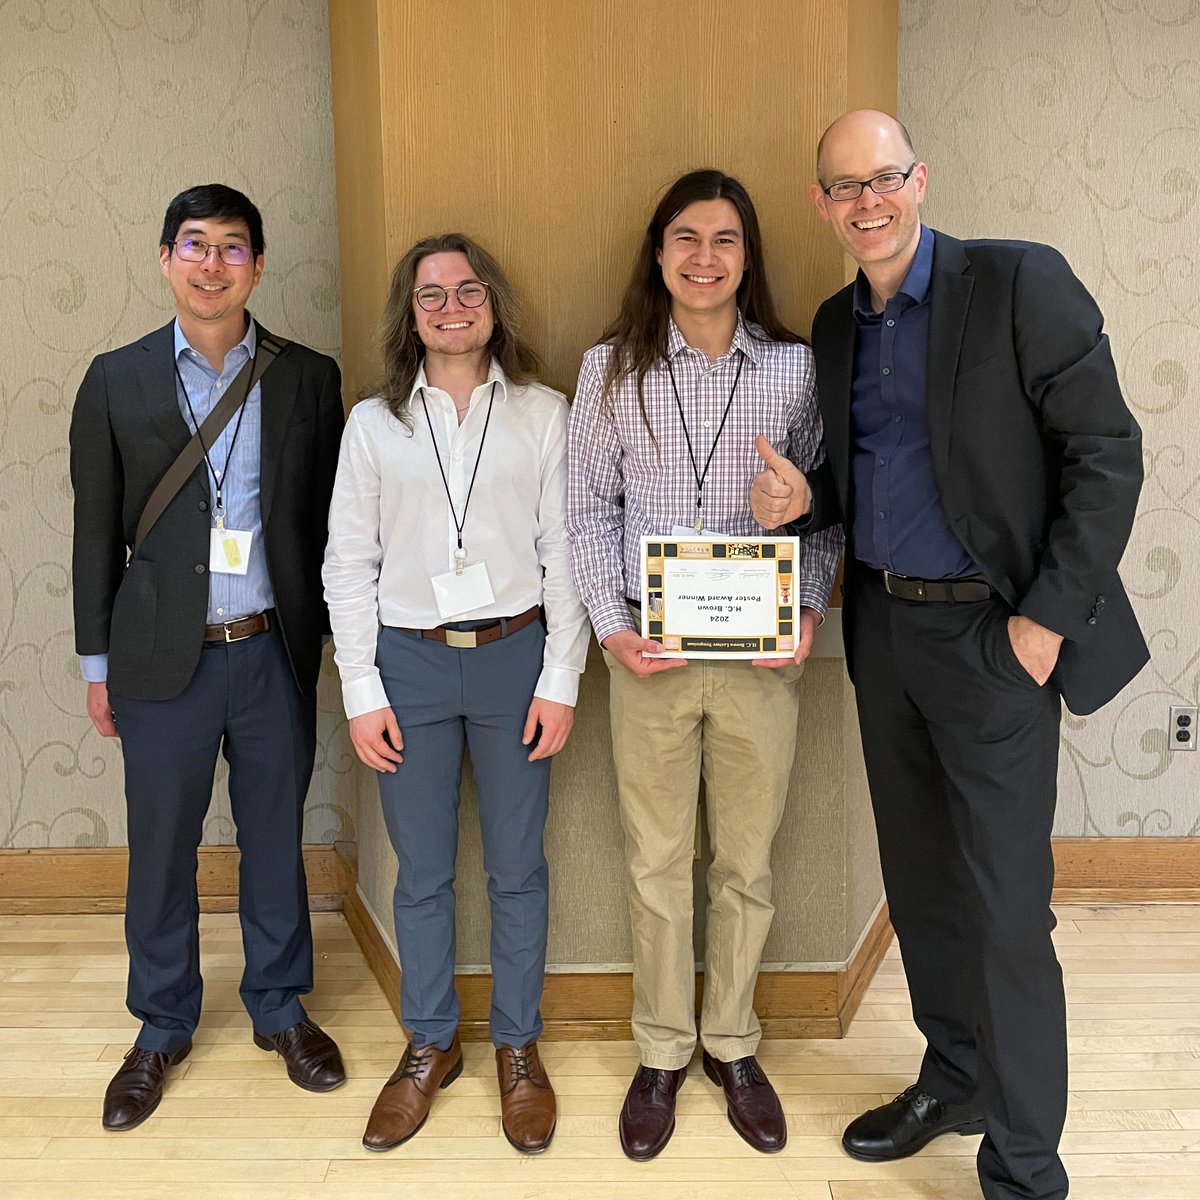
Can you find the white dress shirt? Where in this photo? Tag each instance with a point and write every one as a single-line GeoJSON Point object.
{"type": "Point", "coordinates": [391, 528]}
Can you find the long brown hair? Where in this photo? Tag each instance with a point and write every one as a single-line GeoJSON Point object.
{"type": "Point", "coordinates": [401, 345]}
{"type": "Point", "coordinates": [639, 334]}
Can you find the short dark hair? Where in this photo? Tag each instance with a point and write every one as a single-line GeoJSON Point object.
{"type": "Point", "coordinates": [213, 200]}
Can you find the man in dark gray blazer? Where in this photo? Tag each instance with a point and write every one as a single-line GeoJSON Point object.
{"type": "Point", "coordinates": [986, 469]}
{"type": "Point", "coordinates": [205, 638]}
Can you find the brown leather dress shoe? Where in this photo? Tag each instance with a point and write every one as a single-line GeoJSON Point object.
{"type": "Point", "coordinates": [528, 1112]}
{"type": "Point", "coordinates": [648, 1114]}
{"type": "Point", "coordinates": [311, 1055]}
{"type": "Point", "coordinates": [134, 1091]}
{"type": "Point", "coordinates": [403, 1105]}
{"type": "Point", "coordinates": [752, 1106]}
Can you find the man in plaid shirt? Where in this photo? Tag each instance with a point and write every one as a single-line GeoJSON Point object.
{"type": "Point", "coordinates": [662, 434]}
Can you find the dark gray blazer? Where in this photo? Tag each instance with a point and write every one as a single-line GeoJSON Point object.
{"type": "Point", "coordinates": [148, 613]}
{"type": "Point", "coordinates": [1038, 458]}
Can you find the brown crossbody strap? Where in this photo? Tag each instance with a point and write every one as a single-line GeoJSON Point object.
{"type": "Point", "coordinates": [192, 455]}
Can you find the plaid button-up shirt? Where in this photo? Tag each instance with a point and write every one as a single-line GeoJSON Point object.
{"type": "Point", "coordinates": [622, 486]}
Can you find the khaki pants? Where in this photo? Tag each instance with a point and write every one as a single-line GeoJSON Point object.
{"type": "Point", "coordinates": [736, 723]}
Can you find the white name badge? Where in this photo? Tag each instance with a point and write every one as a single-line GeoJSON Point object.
{"type": "Point", "coordinates": [229, 551]}
{"type": "Point", "coordinates": [458, 595]}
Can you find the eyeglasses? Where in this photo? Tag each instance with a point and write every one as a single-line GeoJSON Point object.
{"type": "Point", "coordinates": [432, 296]}
{"type": "Point", "coordinates": [232, 254]}
{"type": "Point", "coordinates": [851, 189]}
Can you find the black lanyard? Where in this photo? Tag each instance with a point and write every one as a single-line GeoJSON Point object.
{"type": "Point", "coordinates": [460, 555]}
{"type": "Point", "coordinates": [701, 476]}
{"type": "Point", "coordinates": [219, 507]}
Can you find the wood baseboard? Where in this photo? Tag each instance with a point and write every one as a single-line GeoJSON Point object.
{"type": "Point", "coordinates": [790, 1004]}
{"type": "Point", "coordinates": [595, 1005]}
{"type": "Point", "coordinates": [93, 881]}
{"type": "Point", "coordinates": [1126, 870]}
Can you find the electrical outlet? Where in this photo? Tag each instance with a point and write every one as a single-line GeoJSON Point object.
{"type": "Point", "coordinates": [1183, 730]}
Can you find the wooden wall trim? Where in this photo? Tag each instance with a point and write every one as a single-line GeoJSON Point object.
{"type": "Point", "coordinates": [790, 1004]}
{"type": "Point", "coordinates": [1126, 870]}
{"type": "Point", "coordinates": [796, 1004]}
{"type": "Point", "coordinates": [93, 881]}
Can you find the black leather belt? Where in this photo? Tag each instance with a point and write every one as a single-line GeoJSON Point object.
{"type": "Point", "coordinates": [235, 631]}
{"type": "Point", "coordinates": [943, 591]}
{"type": "Point", "coordinates": [468, 639]}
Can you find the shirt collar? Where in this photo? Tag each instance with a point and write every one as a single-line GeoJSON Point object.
{"type": "Point", "coordinates": [915, 284]}
{"type": "Point", "coordinates": [495, 375]}
{"type": "Point", "coordinates": [249, 341]}
{"type": "Point", "coordinates": [743, 340]}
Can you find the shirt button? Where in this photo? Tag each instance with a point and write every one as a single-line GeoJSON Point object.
{"type": "Point", "coordinates": [200, 568]}
{"type": "Point", "coordinates": [220, 612]}
{"type": "Point", "coordinates": [882, 516]}
{"type": "Point", "coordinates": [879, 462]}
{"type": "Point", "coordinates": [890, 324]}
{"type": "Point", "coordinates": [707, 424]}
{"type": "Point", "coordinates": [887, 370]}
{"type": "Point", "coordinates": [458, 456]}
{"type": "Point", "coordinates": [897, 419]}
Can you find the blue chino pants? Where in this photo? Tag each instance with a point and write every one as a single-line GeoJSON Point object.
{"type": "Point", "coordinates": [444, 699]}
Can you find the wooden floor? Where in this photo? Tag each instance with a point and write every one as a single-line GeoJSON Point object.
{"type": "Point", "coordinates": [232, 1127]}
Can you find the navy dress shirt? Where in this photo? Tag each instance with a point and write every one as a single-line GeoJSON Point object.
{"type": "Point", "coordinates": [898, 519]}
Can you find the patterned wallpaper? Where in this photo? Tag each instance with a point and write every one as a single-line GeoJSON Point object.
{"type": "Point", "coordinates": [1077, 122]}
{"type": "Point", "coordinates": [107, 109]}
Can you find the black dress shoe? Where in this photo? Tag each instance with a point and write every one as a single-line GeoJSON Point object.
{"type": "Point", "coordinates": [751, 1103]}
{"type": "Point", "coordinates": [312, 1058]}
{"type": "Point", "coordinates": [134, 1091]}
{"type": "Point", "coordinates": [648, 1114]}
{"type": "Point", "coordinates": [905, 1125]}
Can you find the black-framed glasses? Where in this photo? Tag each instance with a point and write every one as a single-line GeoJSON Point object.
{"type": "Point", "coordinates": [232, 254]}
{"type": "Point", "coordinates": [432, 296]}
{"type": "Point", "coordinates": [851, 189]}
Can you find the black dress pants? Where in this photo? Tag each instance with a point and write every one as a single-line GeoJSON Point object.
{"type": "Point", "coordinates": [961, 748]}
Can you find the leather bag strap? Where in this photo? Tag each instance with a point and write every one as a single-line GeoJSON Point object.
{"type": "Point", "coordinates": [192, 455]}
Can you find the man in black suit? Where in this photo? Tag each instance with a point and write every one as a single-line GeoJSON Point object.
{"type": "Point", "coordinates": [986, 469]}
{"type": "Point", "coordinates": [206, 636]}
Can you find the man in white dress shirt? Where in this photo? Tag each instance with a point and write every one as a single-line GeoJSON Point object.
{"type": "Point", "coordinates": [448, 529]}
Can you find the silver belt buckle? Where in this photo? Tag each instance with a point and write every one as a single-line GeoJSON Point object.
{"type": "Point", "coordinates": [461, 639]}
{"type": "Point", "coordinates": [241, 637]}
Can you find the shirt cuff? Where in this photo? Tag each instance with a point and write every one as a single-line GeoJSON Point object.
{"type": "Point", "coordinates": [364, 695]}
{"type": "Point", "coordinates": [558, 684]}
{"type": "Point", "coordinates": [611, 617]}
{"type": "Point", "coordinates": [813, 592]}
{"type": "Point", "coordinates": [94, 667]}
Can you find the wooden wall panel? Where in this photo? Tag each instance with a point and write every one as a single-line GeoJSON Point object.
{"type": "Point", "coordinates": [548, 128]}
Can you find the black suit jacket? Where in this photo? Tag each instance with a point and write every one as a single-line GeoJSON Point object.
{"type": "Point", "coordinates": [1037, 457]}
{"type": "Point", "coordinates": [148, 613]}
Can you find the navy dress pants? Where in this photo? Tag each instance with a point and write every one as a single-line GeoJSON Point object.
{"type": "Point", "coordinates": [241, 702]}
{"type": "Point", "coordinates": [444, 699]}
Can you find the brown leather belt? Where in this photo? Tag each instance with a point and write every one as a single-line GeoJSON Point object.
{"type": "Point", "coordinates": [944, 591]}
{"type": "Point", "coordinates": [235, 631]}
{"type": "Point", "coordinates": [468, 639]}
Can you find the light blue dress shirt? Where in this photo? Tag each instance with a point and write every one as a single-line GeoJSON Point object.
{"type": "Point", "coordinates": [229, 596]}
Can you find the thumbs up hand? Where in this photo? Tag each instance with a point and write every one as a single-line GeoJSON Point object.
{"type": "Point", "coordinates": [779, 493]}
